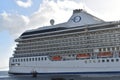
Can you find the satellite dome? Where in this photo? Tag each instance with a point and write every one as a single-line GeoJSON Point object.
{"type": "Point", "coordinates": [52, 21]}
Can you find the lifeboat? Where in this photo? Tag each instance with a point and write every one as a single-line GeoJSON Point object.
{"type": "Point", "coordinates": [84, 55]}
{"type": "Point", "coordinates": [104, 54]}
{"type": "Point", "coordinates": [56, 58]}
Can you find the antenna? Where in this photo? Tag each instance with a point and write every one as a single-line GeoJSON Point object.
{"type": "Point", "coordinates": [52, 21]}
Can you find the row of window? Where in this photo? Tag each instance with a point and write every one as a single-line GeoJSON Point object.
{"type": "Point", "coordinates": [107, 43]}
{"type": "Point", "coordinates": [95, 33]}
{"type": "Point", "coordinates": [29, 59]}
{"type": "Point", "coordinates": [45, 58]}
{"type": "Point", "coordinates": [66, 48]}
{"type": "Point", "coordinates": [102, 61]}
{"type": "Point", "coordinates": [58, 46]}
{"type": "Point", "coordinates": [73, 39]}
{"type": "Point", "coordinates": [76, 49]}
{"type": "Point", "coordinates": [109, 49]}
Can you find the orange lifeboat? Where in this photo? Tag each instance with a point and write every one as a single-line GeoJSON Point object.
{"type": "Point", "coordinates": [56, 58]}
{"type": "Point", "coordinates": [84, 55]}
{"type": "Point", "coordinates": [104, 54]}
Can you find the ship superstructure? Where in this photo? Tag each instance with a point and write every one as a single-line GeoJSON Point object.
{"type": "Point", "coordinates": [84, 44]}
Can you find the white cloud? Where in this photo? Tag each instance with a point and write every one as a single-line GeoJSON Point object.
{"type": "Point", "coordinates": [15, 24]}
{"type": "Point", "coordinates": [60, 11]}
{"type": "Point", "coordinates": [26, 4]}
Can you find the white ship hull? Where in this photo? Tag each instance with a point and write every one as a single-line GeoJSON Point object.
{"type": "Point", "coordinates": [86, 66]}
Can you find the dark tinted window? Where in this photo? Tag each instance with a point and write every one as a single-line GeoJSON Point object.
{"type": "Point", "coordinates": [43, 31]}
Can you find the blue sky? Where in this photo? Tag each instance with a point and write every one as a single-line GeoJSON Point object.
{"type": "Point", "coordinates": [10, 6]}
{"type": "Point", "coordinates": [16, 16]}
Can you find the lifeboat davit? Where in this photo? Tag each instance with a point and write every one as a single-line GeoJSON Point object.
{"type": "Point", "coordinates": [56, 58]}
{"type": "Point", "coordinates": [83, 55]}
{"type": "Point", "coordinates": [104, 54]}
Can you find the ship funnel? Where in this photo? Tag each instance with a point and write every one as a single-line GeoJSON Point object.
{"type": "Point", "coordinates": [80, 18]}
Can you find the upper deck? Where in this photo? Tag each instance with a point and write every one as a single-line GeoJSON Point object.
{"type": "Point", "coordinates": [83, 33]}
{"type": "Point", "coordinates": [79, 19]}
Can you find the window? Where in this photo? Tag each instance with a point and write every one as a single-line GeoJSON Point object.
{"type": "Point", "coordinates": [69, 55]}
{"type": "Point", "coordinates": [104, 49]}
{"type": "Point", "coordinates": [26, 59]}
{"type": "Point", "coordinates": [112, 60]}
{"type": "Point", "coordinates": [32, 59]}
{"type": "Point", "coordinates": [42, 58]}
{"type": "Point", "coordinates": [18, 60]}
{"type": "Point", "coordinates": [29, 59]}
{"type": "Point", "coordinates": [73, 55]}
{"type": "Point", "coordinates": [13, 60]}
{"type": "Point", "coordinates": [113, 48]}
{"type": "Point", "coordinates": [103, 60]}
{"type": "Point", "coordinates": [45, 58]}
{"type": "Point", "coordinates": [117, 48]}
{"type": "Point", "coordinates": [21, 60]}
{"type": "Point", "coordinates": [35, 59]}
{"type": "Point", "coordinates": [117, 60]}
{"type": "Point", "coordinates": [100, 49]}
{"type": "Point", "coordinates": [39, 58]}
{"type": "Point", "coordinates": [107, 60]}
{"type": "Point", "coordinates": [108, 49]}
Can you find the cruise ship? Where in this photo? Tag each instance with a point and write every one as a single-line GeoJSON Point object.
{"type": "Point", "coordinates": [84, 44]}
